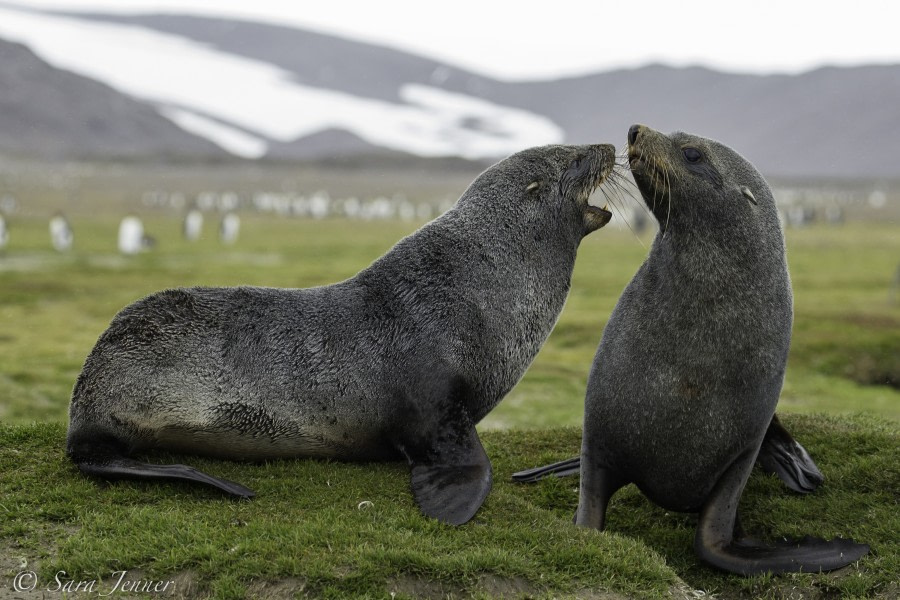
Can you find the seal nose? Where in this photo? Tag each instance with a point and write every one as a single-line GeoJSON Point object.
{"type": "Point", "coordinates": [633, 132]}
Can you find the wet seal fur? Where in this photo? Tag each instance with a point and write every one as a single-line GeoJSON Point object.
{"type": "Point", "coordinates": [399, 362]}
{"type": "Point", "coordinates": [682, 392]}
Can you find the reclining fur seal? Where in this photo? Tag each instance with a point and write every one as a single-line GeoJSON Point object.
{"type": "Point", "coordinates": [398, 362]}
{"type": "Point", "coordinates": [682, 392]}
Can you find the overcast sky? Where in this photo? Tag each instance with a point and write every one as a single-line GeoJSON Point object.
{"type": "Point", "coordinates": [524, 40]}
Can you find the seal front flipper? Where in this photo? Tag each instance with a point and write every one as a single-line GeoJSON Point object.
{"type": "Point", "coordinates": [783, 455]}
{"type": "Point", "coordinates": [596, 487]}
{"type": "Point", "coordinates": [716, 543]}
{"type": "Point", "coordinates": [451, 479]}
{"type": "Point", "coordinates": [563, 468]}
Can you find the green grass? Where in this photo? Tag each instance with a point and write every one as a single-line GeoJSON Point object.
{"type": "Point", "coordinates": [52, 308]}
{"type": "Point", "coordinates": [306, 530]}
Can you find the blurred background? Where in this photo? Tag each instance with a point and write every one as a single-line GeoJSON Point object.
{"type": "Point", "coordinates": [147, 145]}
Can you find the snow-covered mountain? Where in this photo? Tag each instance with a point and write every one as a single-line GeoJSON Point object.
{"type": "Point", "coordinates": [208, 87]}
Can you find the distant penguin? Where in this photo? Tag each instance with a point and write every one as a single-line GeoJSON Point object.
{"type": "Point", "coordinates": [229, 228]}
{"type": "Point", "coordinates": [4, 233]}
{"type": "Point", "coordinates": [61, 236]}
{"type": "Point", "coordinates": [193, 225]}
{"type": "Point", "coordinates": [834, 215]}
{"type": "Point", "coordinates": [131, 235]}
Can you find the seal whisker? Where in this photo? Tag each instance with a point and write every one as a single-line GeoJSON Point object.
{"type": "Point", "coordinates": [628, 188]}
{"type": "Point", "coordinates": [669, 198]}
{"type": "Point", "coordinates": [620, 194]}
{"type": "Point", "coordinates": [624, 195]}
{"type": "Point", "coordinates": [660, 185]}
{"type": "Point", "coordinates": [625, 219]}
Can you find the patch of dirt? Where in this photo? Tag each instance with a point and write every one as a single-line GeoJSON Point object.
{"type": "Point", "coordinates": [784, 587]}
{"type": "Point", "coordinates": [185, 585]}
{"type": "Point", "coordinates": [408, 586]}
{"type": "Point", "coordinates": [16, 559]}
{"type": "Point", "coordinates": [505, 588]}
{"type": "Point", "coordinates": [283, 589]}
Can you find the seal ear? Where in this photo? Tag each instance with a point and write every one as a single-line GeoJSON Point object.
{"type": "Point", "coordinates": [748, 194]}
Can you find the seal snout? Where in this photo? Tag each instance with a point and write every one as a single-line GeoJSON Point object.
{"type": "Point", "coordinates": [636, 134]}
{"type": "Point", "coordinates": [603, 164]}
{"type": "Point", "coordinates": [633, 132]}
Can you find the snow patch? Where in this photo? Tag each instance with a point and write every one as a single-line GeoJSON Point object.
{"type": "Point", "coordinates": [248, 103]}
{"type": "Point", "coordinates": [228, 138]}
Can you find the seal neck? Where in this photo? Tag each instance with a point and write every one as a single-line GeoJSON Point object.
{"type": "Point", "coordinates": [722, 255]}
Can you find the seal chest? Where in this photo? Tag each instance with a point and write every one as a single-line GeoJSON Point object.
{"type": "Point", "coordinates": [399, 362]}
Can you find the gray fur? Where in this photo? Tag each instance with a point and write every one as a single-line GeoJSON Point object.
{"type": "Point", "coordinates": [686, 378]}
{"type": "Point", "coordinates": [701, 332]}
{"type": "Point", "coordinates": [425, 341]}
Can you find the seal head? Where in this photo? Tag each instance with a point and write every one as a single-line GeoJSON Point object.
{"type": "Point", "coordinates": [685, 168]}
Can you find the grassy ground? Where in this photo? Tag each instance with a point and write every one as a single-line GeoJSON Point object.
{"type": "Point", "coordinates": [844, 360]}
{"type": "Point", "coordinates": [323, 529]}
{"type": "Point", "coordinates": [844, 355]}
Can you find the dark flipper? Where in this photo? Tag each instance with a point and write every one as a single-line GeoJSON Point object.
{"type": "Point", "coordinates": [809, 554]}
{"type": "Point", "coordinates": [451, 480]}
{"type": "Point", "coordinates": [570, 466]}
{"type": "Point", "coordinates": [782, 455]}
{"type": "Point", "coordinates": [596, 488]}
{"type": "Point", "coordinates": [126, 468]}
{"type": "Point", "coordinates": [715, 542]}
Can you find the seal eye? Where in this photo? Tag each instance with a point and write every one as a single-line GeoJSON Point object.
{"type": "Point", "coordinates": [692, 155]}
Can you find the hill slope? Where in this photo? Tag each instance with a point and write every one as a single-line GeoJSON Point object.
{"type": "Point", "coordinates": [300, 94]}
{"type": "Point", "coordinates": [50, 113]}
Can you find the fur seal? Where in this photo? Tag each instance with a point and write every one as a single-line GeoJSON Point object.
{"type": "Point", "coordinates": [682, 391]}
{"type": "Point", "coordinates": [398, 362]}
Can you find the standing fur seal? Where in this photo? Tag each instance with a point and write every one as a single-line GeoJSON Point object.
{"type": "Point", "coordinates": [399, 362]}
{"type": "Point", "coordinates": [683, 387]}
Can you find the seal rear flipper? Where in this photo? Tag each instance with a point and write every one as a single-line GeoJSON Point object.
{"type": "Point", "coordinates": [781, 454]}
{"type": "Point", "coordinates": [126, 468]}
{"type": "Point", "coordinates": [563, 468]}
{"type": "Point", "coordinates": [452, 481]}
{"type": "Point", "coordinates": [716, 544]}
{"type": "Point", "coordinates": [809, 555]}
